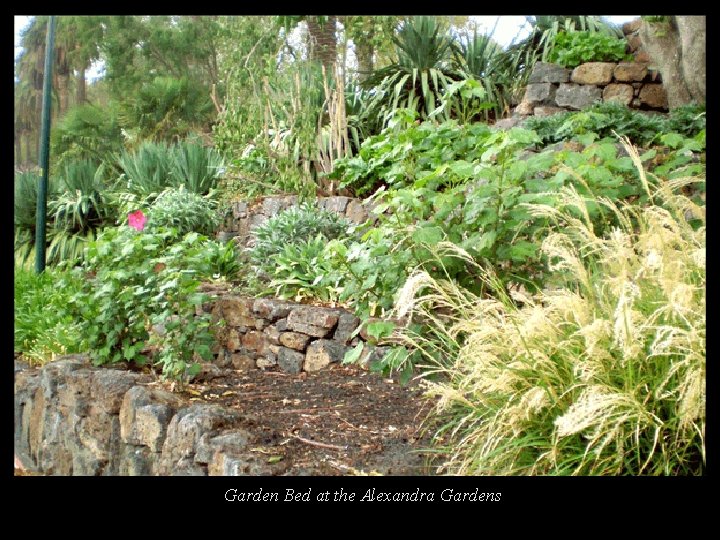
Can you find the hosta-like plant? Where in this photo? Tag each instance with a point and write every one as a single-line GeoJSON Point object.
{"type": "Point", "coordinates": [291, 226]}
{"type": "Point", "coordinates": [184, 210]}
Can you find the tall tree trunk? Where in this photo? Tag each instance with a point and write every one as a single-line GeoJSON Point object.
{"type": "Point", "coordinates": [365, 52]}
{"type": "Point", "coordinates": [323, 41]}
{"type": "Point", "coordinates": [81, 90]}
{"type": "Point", "coordinates": [18, 149]}
{"type": "Point", "coordinates": [63, 92]}
{"type": "Point", "coordinates": [677, 47]}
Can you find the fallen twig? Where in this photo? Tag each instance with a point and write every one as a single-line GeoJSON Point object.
{"type": "Point", "coordinates": [321, 445]}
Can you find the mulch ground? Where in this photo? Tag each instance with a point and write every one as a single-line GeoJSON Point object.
{"type": "Point", "coordinates": [340, 420]}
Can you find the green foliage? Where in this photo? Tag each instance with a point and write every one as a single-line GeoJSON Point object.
{"type": "Point", "coordinates": [195, 166]}
{"type": "Point", "coordinates": [481, 59]}
{"type": "Point", "coordinates": [184, 210]}
{"type": "Point", "coordinates": [605, 375]}
{"type": "Point", "coordinates": [166, 109]}
{"type": "Point", "coordinates": [296, 224]}
{"type": "Point", "coordinates": [43, 329]}
{"type": "Point", "coordinates": [475, 199]}
{"type": "Point", "coordinates": [79, 209]}
{"type": "Point", "coordinates": [419, 77]}
{"type": "Point", "coordinates": [398, 157]}
{"type": "Point", "coordinates": [147, 169]}
{"type": "Point", "coordinates": [603, 119]}
{"type": "Point", "coordinates": [220, 261]}
{"type": "Point", "coordinates": [154, 167]}
{"type": "Point", "coordinates": [574, 48]}
{"type": "Point", "coordinates": [301, 271]}
{"type": "Point", "coordinates": [80, 206]}
{"type": "Point", "coordinates": [140, 280]}
{"type": "Point", "coordinates": [25, 205]}
{"type": "Point", "coordinates": [87, 132]}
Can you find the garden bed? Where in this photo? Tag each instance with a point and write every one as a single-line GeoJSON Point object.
{"type": "Point", "coordinates": [75, 419]}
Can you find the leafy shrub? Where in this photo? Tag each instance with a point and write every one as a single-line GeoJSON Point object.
{"type": "Point", "coordinates": [79, 209]}
{"type": "Point", "coordinates": [43, 328]}
{"type": "Point", "coordinates": [87, 132]}
{"type": "Point", "coordinates": [399, 155]}
{"type": "Point", "coordinates": [154, 167]}
{"type": "Point", "coordinates": [143, 279]}
{"type": "Point", "coordinates": [185, 210]}
{"type": "Point", "coordinates": [219, 261]}
{"type": "Point", "coordinates": [604, 376]}
{"type": "Point", "coordinates": [574, 48]}
{"type": "Point", "coordinates": [291, 226]}
{"type": "Point", "coordinates": [688, 120]}
{"type": "Point", "coordinates": [25, 214]}
{"type": "Point", "coordinates": [641, 128]}
{"type": "Point", "coordinates": [167, 108]}
{"type": "Point", "coordinates": [420, 74]}
{"type": "Point", "coordinates": [479, 205]}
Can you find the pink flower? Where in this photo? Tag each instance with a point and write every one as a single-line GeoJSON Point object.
{"type": "Point", "coordinates": [137, 220]}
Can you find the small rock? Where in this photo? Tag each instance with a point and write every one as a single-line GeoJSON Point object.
{"type": "Point", "coordinates": [336, 204]}
{"type": "Point", "coordinates": [577, 96]}
{"type": "Point", "coordinates": [525, 108]}
{"type": "Point", "coordinates": [290, 361]}
{"type": "Point", "coordinates": [230, 441]}
{"type": "Point", "coordinates": [272, 334]}
{"type": "Point", "coordinates": [242, 362]}
{"type": "Point", "coordinates": [254, 341]}
{"type": "Point", "coordinates": [313, 321]}
{"type": "Point", "coordinates": [507, 123]}
{"type": "Point", "coordinates": [593, 73]}
{"type": "Point", "coordinates": [619, 93]}
{"type": "Point", "coordinates": [271, 309]}
{"type": "Point", "coordinates": [356, 212]}
{"type": "Point", "coordinates": [294, 340]}
{"type": "Point", "coordinates": [547, 110]}
{"type": "Point", "coordinates": [631, 26]}
{"type": "Point", "coordinates": [546, 72]}
{"type": "Point", "coordinates": [642, 56]}
{"type": "Point", "coordinates": [630, 72]}
{"type": "Point", "coordinates": [540, 92]}
{"type": "Point", "coordinates": [322, 353]}
{"type": "Point", "coordinates": [266, 362]}
{"type": "Point", "coordinates": [653, 95]}
{"type": "Point", "coordinates": [346, 326]}
{"type": "Point", "coordinates": [232, 341]}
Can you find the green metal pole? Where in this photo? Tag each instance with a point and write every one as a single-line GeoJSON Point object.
{"type": "Point", "coordinates": [41, 217]}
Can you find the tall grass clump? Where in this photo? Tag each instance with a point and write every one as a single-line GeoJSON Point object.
{"type": "Point", "coordinates": [604, 375]}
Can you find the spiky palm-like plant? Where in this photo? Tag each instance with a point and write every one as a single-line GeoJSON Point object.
{"type": "Point", "coordinates": [422, 71]}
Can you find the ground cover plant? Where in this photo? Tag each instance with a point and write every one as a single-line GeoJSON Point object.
{"type": "Point", "coordinates": [43, 328]}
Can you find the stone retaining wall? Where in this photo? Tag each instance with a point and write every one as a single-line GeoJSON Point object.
{"type": "Point", "coordinates": [245, 216]}
{"type": "Point", "coordinates": [75, 419]}
{"type": "Point", "coordinates": [552, 88]}
{"type": "Point", "coordinates": [263, 333]}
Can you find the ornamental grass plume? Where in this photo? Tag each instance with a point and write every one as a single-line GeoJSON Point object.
{"type": "Point", "coordinates": [604, 376]}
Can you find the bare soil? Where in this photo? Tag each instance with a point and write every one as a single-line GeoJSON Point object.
{"type": "Point", "coordinates": [340, 420]}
